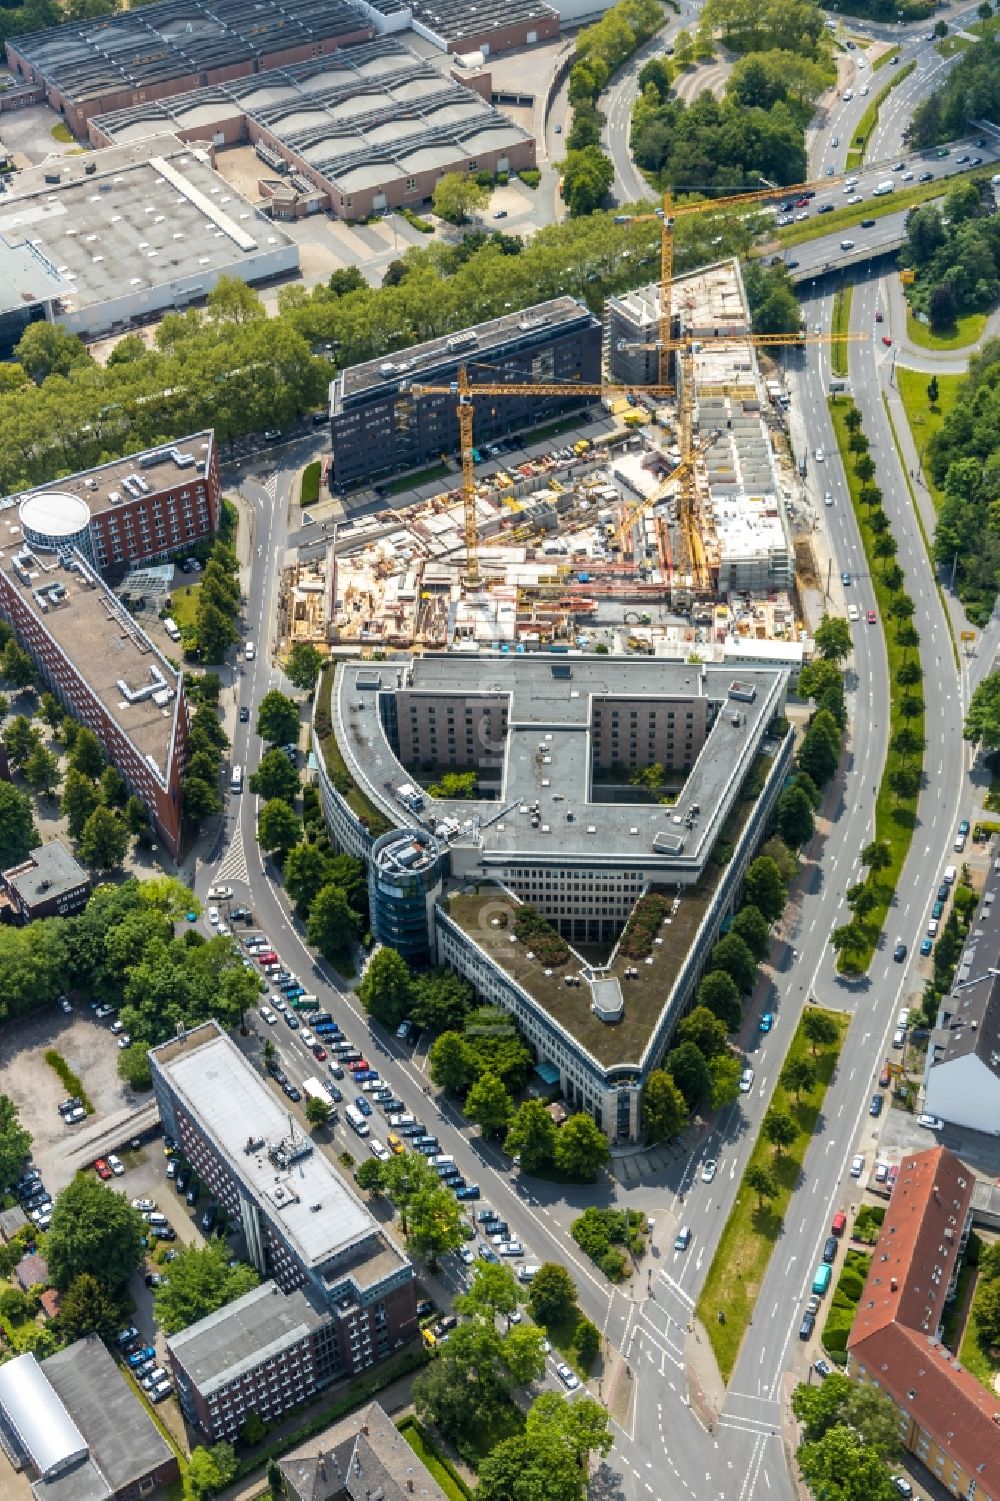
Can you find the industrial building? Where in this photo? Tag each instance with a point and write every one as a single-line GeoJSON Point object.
{"type": "Point", "coordinates": [49, 883]}
{"type": "Point", "coordinates": [380, 426]}
{"type": "Point", "coordinates": [947, 1418]}
{"type": "Point", "coordinates": [303, 1225]}
{"type": "Point", "coordinates": [373, 127]}
{"type": "Point", "coordinates": [558, 825]}
{"type": "Point", "coordinates": [91, 66]}
{"type": "Point", "coordinates": [77, 1428]}
{"type": "Point", "coordinates": [104, 668]}
{"type": "Point", "coordinates": [100, 241]}
{"type": "Point", "coordinates": [150, 504]}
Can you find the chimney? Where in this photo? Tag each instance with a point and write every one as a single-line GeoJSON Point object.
{"type": "Point", "coordinates": [364, 1429]}
{"type": "Point", "coordinates": [321, 1461]}
{"type": "Point", "coordinates": [409, 1486]}
{"type": "Point", "coordinates": [894, 1285]}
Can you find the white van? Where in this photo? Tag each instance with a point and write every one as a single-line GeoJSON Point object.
{"type": "Point", "coordinates": [853, 612]}
{"type": "Point", "coordinates": [356, 1121]}
{"type": "Point", "coordinates": [847, 95]}
{"type": "Point", "coordinates": [236, 780]}
{"type": "Point", "coordinates": [527, 1273]}
{"type": "Point", "coordinates": [172, 629]}
{"type": "Point", "coordinates": [950, 872]}
{"type": "Point", "coordinates": [249, 651]}
{"type": "Point", "coordinates": [883, 187]}
{"type": "Point", "coordinates": [442, 1160]}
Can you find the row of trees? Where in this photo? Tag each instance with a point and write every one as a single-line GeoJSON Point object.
{"type": "Point", "coordinates": [964, 461]}
{"type": "Point", "coordinates": [970, 91]}
{"type": "Point", "coordinates": [430, 1216]}
{"type": "Point", "coordinates": [713, 143]}
{"type": "Point", "coordinates": [850, 1434]}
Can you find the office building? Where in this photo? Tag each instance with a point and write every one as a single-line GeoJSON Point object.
{"type": "Point", "coordinates": [362, 1457]}
{"type": "Point", "coordinates": [303, 1225]}
{"type": "Point", "coordinates": [371, 128]}
{"type": "Point", "coordinates": [79, 1430]}
{"type": "Point", "coordinates": [88, 67]}
{"type": "Point", "coordinates": [49, 883]}
{"type": "Point", "coordinates": [105, 670]}
{"type": "Point", "coordinates": [962, 1069]}
{"type": "Point", "coordinates": [381, 424]}
{"type": "Point", "coordinates": [946, 1417]}
{"type": "Point", "coordinates": [101, 241]}
{"type": "Point", "coordinates": [559, 827]}
{"type": "Point", "coordinates": [404, 882]}
{"type": "Point", "coordinates": [265, 1353]}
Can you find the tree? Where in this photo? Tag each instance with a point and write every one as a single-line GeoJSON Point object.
{"type": "Point", "coordinates": [877, 855]}
{"type": "Point", "coordinates": [209, 1470]}
{"type": "Point", "coordinates": [114, 793]}
{"type": "Point", "coordinates": [460, 785]}
{"type": "Point", "coordinates": [933, 391]}
{"type": "Point", "coordinates": [201, 798]}
{"type": "Point", "coordinates": [552, 1296]}
{"type": "Point", "coordinates": [587, 176]}
{"type": "Point", "coordinates": [493, 1290]}
{"type": "Point", "coordinates": [93, 1230]}
{"type": "Point", "coordinates": [582, 1148]}
{"type": "Point", "coordinates": [872, 1415]}
{"type": "Point", "coordinates": [765, 887]}
{"type": "Point", "coordinates": [532, 1136]}
{"type": "Point", "coordinates": [46, 349]}
{"type": "Point", "coordinates": [458, 196]}
{"type": "Point", "coordinates": [333, 924]}
{"type": "Point", "coordinates": [908, 637]}
{"type": "Point", "coordinates": [16, 666]}
{"type": "Point", "coordinates": [20, 738]}
{"type": "Point", "coordinates": [79, 799]}
{"type": "Point", "coordinates": [904, 782]}
{"type": "Point", "coordinates": [664, 1112]}
{"type": "Point", "coordinates": [516, 1470]}
{"type": "Point", "coordinates": [386, 990]}
{"type": "Point", "coordinates": [725, 1069]}
{"type": "Point", "coordinates": [441, 1000]}
{"type": "Point", "coordinates": [133, 1066]}
{"type": "Point", "coordinates": [586, 1343]}
{"type": "Point", "coordinates": [317, 1112]}
{"type": "Point", "coordinates": [751, 925]}
{"type": "Point", "coordinates": [86, 1307]}
{"type": "Point", "coordinates": [901, 607]}
{"type": "Point", "coordinates": [307, 870]}
{"type": "Point", "coordinates": [761, 1181]}
{"type": "Point", "coordinates": [18, 834]}
{"type": "Point", "coordinates": [371, 1176]}
{"type": "Point", "coordinates": [87, 757]}
{"type": "Point", "coordinates": [819, 1407]}
{"type": "Point", "coordinates": [719, 992]}
{"type": "Point", "coordinates": [982, 721]}
{"type": "Point", "coordinates": [453, 1064]}
{"type": "Point", "coordinates": [796, 820]}
{"type": "Point", "coordinates": [104, 840]}
{"type": "Point", "coordinates": [799, 1076]}
{"type": "Point", "coordinates": [779, 1128]}
{"type": "Point", "coordinates": [489, 1104]}
{"type": "Point", "coordinates": [833, 638]}
{"type": "Point", "coordinates": [523, 1353]}
{"type": "Point", "coordinates": [688, 1068]}
{"type": "Point", "coordinates": [41, 770]}
{"type": "Point", "coordinates": [15, 1143]}
{"type": "Point", "coordinates": [278, 719]}
{"type": "Point", "coordinates": [581, 1426]}
{"type": "Point", "coordinates": [278, 828]}
{"type": "Point", "coordinates": [820, 1029]}
{"type": "Point", "coordinates": [201, 1280]}
{"type": "Point", "coordinates": [705, 1030]}
{"type": "Point", "coordinates": [304, 662]}
{"type": "Point", "coordinates": [906, 742]}
{"type": "Point", "coordinates": [840, 1467]}
{"type": "Point", "coordinates": [275, 777]}
{"type": "Point", "coordinates": [434, 1224]}
{"type": "Point", "coordinates": [732, 955]}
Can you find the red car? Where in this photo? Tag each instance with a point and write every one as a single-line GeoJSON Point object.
{"type": "Point", "coordinates": [802, 203]}
{"type": "Point", "coordinates": [101, 1168]}
{"type": "Point", "coordinates": [887, 341]}
{"type": "Point", "coordinates": [267, 957]}
{"type": "Point", "coordinates": [358, 1065]}
{"type": "Point", "coordinates": [884, 1077]}
{"type": "Point", "coordinates": [893, 1175]}
{"type": "Point", "coordinates": [319, 1053]}
{"type": "Point", "coordinates": [871, 617]}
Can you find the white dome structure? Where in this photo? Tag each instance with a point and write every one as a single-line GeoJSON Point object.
{"type": "Point", "coordinates": [54, 520]}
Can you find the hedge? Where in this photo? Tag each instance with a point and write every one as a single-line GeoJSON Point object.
{"type": "Point", "coordinates": [72, 1081]}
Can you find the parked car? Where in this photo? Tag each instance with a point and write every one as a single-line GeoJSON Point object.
{"type": "Point", "coordinates": [101, 1169]}
{"type": "Point", "coordinates": [857, 1164]}
{"type": "Point", "coordinates": [875, 1107]}
{"type": "Point", "coordinates": [145, 1353]}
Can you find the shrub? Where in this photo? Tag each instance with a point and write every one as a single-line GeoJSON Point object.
{"type": "Point", "coordinates": [643, 926]}
{"type": "Point", "coordinates": [541, 937]}
{"type": "Point", "coordinates": [72, 1081]}
{"type": "Point", "coordinates": [530, 176]}
{"type": "Point", "coordinates": [310, 484]}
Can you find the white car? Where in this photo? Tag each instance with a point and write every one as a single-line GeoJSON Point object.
{"type": "Point", "coordinates": [124, 1041]}
{"type": "Point", "coordinates": [568, 1378]}
{"type": "Point", "coordinates": [213, 915]}
{"type": "Point", "coordinates": [78, 1114]}
{"type": "Point", "coordinates": [379, 1150]}
{"type": "Point", "coordinates": [828, 498]}
{"type": "Point", "coordinates": [515, 1316]}
{"type": "Point", "coordinates": [709, 1170]}
{"type": "Point", "coordinates": [144, 1206]}
{"type": "Point", "coordinates": [857, 1164]}
{"type": "Point", "coordinates": [115, 1164]}
{"type": "Point", "coordinates": [746, 1080]}
{"type": "Point", "coordinates": [307, 1037]}
{"type": "Point", "coordinates": [104, 1010]}
{"type": "Point", "coordinates": [467, 1254]}
{"type": "Point", "coordinates": [268, 1016]}
{"type": "Point", "coordinates": [929, 1122]}
{"type": "Point", "coordinates": [65, 1004]}
{"type": "Point", "coordinates": [511, 1248]}
{"type": "Point", "coordinates": [820, 456]}
{"type": "Point", "coordinates": [220, 893]}
{"type": "Point", "coordinates": [117, 1028]}
{"type": "Point", "coordinates": [249, 651]}
{"type": "Point", "coordinates": [903, 1019]}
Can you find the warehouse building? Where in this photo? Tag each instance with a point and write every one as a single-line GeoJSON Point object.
{"type": "Point", "coordinates": [98, 242]}
{"type": "Point", "coordinates": [381, 425]}
{"type": "Point", "coordinates": [90, 67]}
{"type": "Point", "coordinates": [79, 1430]}
{"type": "Point", "coordinates": [557, 826]}
{"type": "Point", "coordinates": [303, 1225]}
{"type": "Point", "coordinates": [105, 670]}
{"type": "Point", "coordinates": [371, 128]}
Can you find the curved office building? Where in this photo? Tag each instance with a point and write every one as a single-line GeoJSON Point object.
{"type": "Point", "coordinates": [405, 877]}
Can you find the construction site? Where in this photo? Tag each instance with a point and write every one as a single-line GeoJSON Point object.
{"type": "Point", "coordinates": [678, 529]}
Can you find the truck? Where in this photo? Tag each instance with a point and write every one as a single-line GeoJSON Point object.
{"type": "Point", "coordinates": [883, 188]}
{"type": "Point", "coordinates": [172, 629]}
{"type": "Point", "coordinates": [314, 1090]}
{"type": "Point", "coordinates": [306, 1002]}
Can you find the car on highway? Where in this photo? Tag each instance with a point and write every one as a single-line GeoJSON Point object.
{"type": "Point", "coordinates": [825, 208]}
{"type": "Point", "coordinates": [828, 498]}
{"type": "Point", "coordinates": [845, 579]}
{"type": "Point", "coordinates": [872, 617]}
{"type": "Point", "coordinates": [875, 1105]}
{"type": "Point", "coordinates": [244, 714]}
{"type": "Point", "coordinates": [683, 1238]}
{"type": "Point", "coordinates": [857, 1164]}
{"type": "Point", "coordinates": [268, 1016]}
{"type": "Point", "coordinates": [961, 160]}
{"type": "Point", "coordinates": [906, 177]}
{"type": "Point", "coordinates": [766, 1022]}
{"type": "Point", "coordinates": [899, 951]}
{"type": "Point", "coordinates": [819, 456]}
{"type": "Point", "coordinates": [746, 1080]}
{"type": "Point", "coordinates": [926, 177]}
{"type": "Point", "coordinates": [709, 1170]}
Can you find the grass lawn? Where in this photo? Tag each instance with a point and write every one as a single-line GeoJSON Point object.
{"type": "Point", "coordinates": [184, 603]}
{"type": "Point", "coordinates": [968, 330]}
{"type": "Point", "coordinates": [948, 46]}
{"type": "Point", "coordinates": [430, 1455]}
{"type": "Point", "coordinates": [924, 419]}
{"type": "Point", "coordinates": [894, 818]}
{"type": "Point", "coordinates": [886, 57]}
{"type": "Point", "coordinates": [972, 1355]}
{"type": "Point", "coordinates": [61, 132]}
{"type": "Point", "coordinates": [841, 325]}
{"type": "Point", "coordinates": [751, 1232]}
{"type": "Point", "coordinates": [411, 481]}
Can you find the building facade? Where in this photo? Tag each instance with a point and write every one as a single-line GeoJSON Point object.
{"type": "Point", "coordinates": [380, 424]}
{"type": "Point", "coordinates": [49, 883]}
{"type": "Point", "coordinates": [405, 876]}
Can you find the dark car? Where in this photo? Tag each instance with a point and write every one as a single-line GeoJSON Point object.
{"type": "Point", "coordinates": [830, 1250]}
{"type": "Point", "coordinates": [868, 224]}
{"type": "Point", "coordinates": [470, 1191]}
{"type": "Point", "coordinates": [425, 1308]}
{"type": "Point", "coordinates": [899, 952]}
{"type": "Point", "coordinates": [193, 1194]}
{"type": "Point", "coordinates": [182, 1179]}
{"type": "Point", "coordinates": [807, 1326]}
{"type": "Point", "coordinates": [209, 1218]}
{"type": "Point", "coordinates": [825, 208]}
{"type": "Point", "coordinates": [875, 1108]}
{"type": "Point", "coordinates": [293, 1094]}
{"type": "Point", "coordinates": [335, 1094]}
{"type": "Point", "coordinates": [163, 1232]}
{"type": "Point", "coordinates": [926, 177]}
{"type": "Point", "coordinates": [274, 1068]}
{"type": "Point", "coordinates": [943, 891]}
{"type": "Point", "coordinates": [292, 1020]}
{"type": "Point", "coordinates": [244, 714]}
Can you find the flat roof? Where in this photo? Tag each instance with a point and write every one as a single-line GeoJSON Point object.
{"type": "Point", "coordinates": [156, 44]}
{"type": "Point", "coordinates": [531, 325]}
{"type": "Point", "coordinates": [359, 118]}
{"type": "Point", "coordinates": [106, 647]}
{"type": "Point", "coordinates": [547, 757]}
{"type": "Point", "coordinates": [125, 1444]}
{"type": "Point", "coordinates": [234, 1339]}
{"type": "Point", "coordinates": [94, 227]}
{"type": "Point", "coordinates": [48, 870]}
{"type": "Point", "coordinates": [234, 1106]}
{"type": "Point", "coordinates": [161, 468]}
{"type": "Point", "coordinates": [457, 20]}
